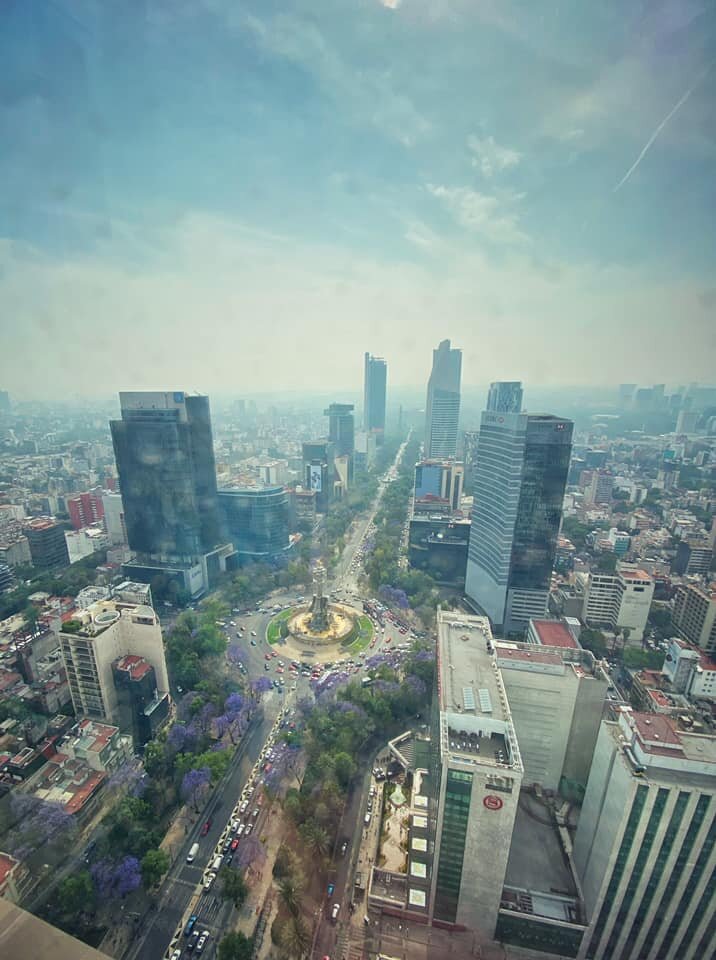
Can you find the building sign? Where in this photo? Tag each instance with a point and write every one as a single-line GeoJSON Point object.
{"type": "Point", "coordinates": [315, 478]}
{"type": "Point", "coordinates": [492, 802]}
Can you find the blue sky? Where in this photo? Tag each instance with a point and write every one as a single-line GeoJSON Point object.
{"type": "Point", "coordinates": [247, 195]}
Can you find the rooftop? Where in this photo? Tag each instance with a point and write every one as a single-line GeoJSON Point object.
{"type": "Point", "coordinates": [7, 865]}
{"type": "Point", "coordinates": [69, 782]}
{"type": "Point", "coordinates": [536, 858]}
{"type": "Point", "coordinates": [473, 703]}
{"type": "Point", "coordinates": [136, 667]}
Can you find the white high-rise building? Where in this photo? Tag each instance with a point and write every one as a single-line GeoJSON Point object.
{"type": "Point", "coordinates": [442, 407]}
{"type": "Point", "coordinates": [114, 518]}
{"type": "Point", "coordinates": [619, 600]}
{"type": "Point", "coordinates": [645, 847]}
{"type": "Point", "coordinates": [94, 639]}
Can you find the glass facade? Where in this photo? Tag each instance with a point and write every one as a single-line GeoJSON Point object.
{"type": "Point", "coordinates": [167, 474]}
{"type": "Point", "coordinates": [256, 521]}
{"type": "Point", "coordinates": [618, 869]}
{"type": "Point", "coordinates": [677, 871]}
{"type": "Point", "coordinates": [657, 873]}
{"type": "Point", "coordinates": [519, 480]}
{"type": "Point", "coordinates": [442, 407]}
{"type": "Point", "coordinates": [341, 428]}
{"type": "Point", "coordinates": [456, 812]}
{"type": "Point", "coordinates": [374, 385]}
{"type": "Point", "coordinates": [637, 872]}
{"type": "Point", "coordinates": [535, 934]}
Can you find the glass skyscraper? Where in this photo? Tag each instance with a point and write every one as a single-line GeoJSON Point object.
{"type": "Point", "coordinates": [374, 384]}
{"type": "Point", "coordinates": [442, 408]}
{"type": "Point", "coordinates": [257, 521]}
{"type": "Point", "coordinates": [519, 480]}
{"type": "Point", "coordinates": [164, 451]}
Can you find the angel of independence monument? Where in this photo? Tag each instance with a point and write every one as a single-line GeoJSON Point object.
{"type": "Point", "coordinates": [321, 623]}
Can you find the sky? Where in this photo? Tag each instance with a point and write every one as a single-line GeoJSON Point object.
{"type": "Point", "coordinates": [242, 197]}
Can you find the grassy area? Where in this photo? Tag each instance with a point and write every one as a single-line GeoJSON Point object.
{"type": "Point", "coordinates": [364, 637]}
{"type": "Point", "coordinates": [273, 631]}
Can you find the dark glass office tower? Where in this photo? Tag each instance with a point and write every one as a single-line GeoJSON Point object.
{"type": "Point", "coordinates": [257, 521]}
{"type": "Point", "coordinates": [374, 383]}
{"type": "Point", "coordinates": [442, 408]}
{"type": "Point", "coordinates": [164, 451]}
{"type": "Point", "coordinates": [519, 481]}
{"type": "Point", "coordinates": [341, 428]}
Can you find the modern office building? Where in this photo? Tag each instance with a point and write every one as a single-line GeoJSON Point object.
{"type": "Point", "coordinates": [114, 518]}
{"type": "Point", "coordinates": [46, 539]}
{"type": "Point", "coordinates": [140, 712]}
{"type": "Point", "coordinates": [318, 470]}
{"type": "Point", "coordinates": [690, 670]}
{"type": "Point", "coordinates": [645, 843]}
{"type": "Point", "coordinates": [518, 489]}
{"type": "Point", "coordinates": [438, 486]}
{"type": "Point", "coordinates": [478, 773]}
{"type": "Point", "coordinates": [556, 693]}
{"type": "Point", "coordinates": [618, 600]}
{"type": "Point", "coordinates": [694, 615]}
{"type": "Point", "coordinates": [505, 396]}
{"type": "Point", "coordinates": [85, 509]}
{"type": "Point", "coordinates": [98, 636]}
{"type": "Point", "coordinates": [438, 545]}
{"type": "Point", "coordinates": [693, 557]}
{"type": "Point", "coordinates": [302, 503]}
{"type": "Point", "coordinates": [256, 521]}
{"type": "Point", "coordinates": [442, 406]}
{"type": "Point", "coordinates": [600, 489]}
{"type": "Point", "coordinates": [164, 452]}
{"type": "Point", "coordinates": [470, 441]}
{"type": "Point", "coordinates": [341, 428]}
{"type": "Point", "coordinates": [375, 372]}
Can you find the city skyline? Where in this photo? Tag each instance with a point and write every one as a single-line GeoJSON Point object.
{"type": "Point", "coordinates": [267, 171]}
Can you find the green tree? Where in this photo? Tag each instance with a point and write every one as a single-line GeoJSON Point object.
{"type": "Point", "coordinates": [595, 641]}
{"type": "Point", "coordinates": [236, 946]}
{"type": "Point", "coordinates": [295, 939]}
{"type": "Point", "coordinates": [344, 767]}
{"type": "Point", "coordinates": [155, 864]}
{"type": "Point", "coordinates": [316, 836]}
{"type": "Point", "coordinates": [607, 562]}
{"type": "Point", "coordinates": [30, 616]}
{"type": "Point", "coordinates": [76, 894]}
{"type": "Point", "coordinates": [233, 886]}
{"type": "Point", "coordinates": [290, 889]}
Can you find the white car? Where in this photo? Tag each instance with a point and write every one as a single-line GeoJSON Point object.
{"type": "Point", "coordinates": [209, 882]}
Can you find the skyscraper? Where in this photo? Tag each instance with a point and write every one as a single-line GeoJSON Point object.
{"type": "Point", "coordinates": [519, 480]}
{"type": "Point", "coordinates": [374, 380]}
{"type": "Point", "coordinates": [341, 428]}
{"type": "Point", "coordinates": [164, 451]}
{"type": "Point", "coordinates": [442, 407]}
{"type": "Point", "coordinates": [505, 396]}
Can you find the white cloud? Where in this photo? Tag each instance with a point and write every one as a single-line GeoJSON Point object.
{"type": "Point", "coordinates": [482, 213]}
{"type": "Point", "coordinates": [490, 157]}
{"type": "Point", "coordinates": [226, 308]}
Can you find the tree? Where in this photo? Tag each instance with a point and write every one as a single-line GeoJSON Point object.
{"type": "Point", "coordinates": [607, 562]}
{"type": "Point", "coordinates": [233, 886]}
{"type": "Point", "coordinates": [30, 616]}
{"type": "Point", "coordinates": [76, 894]}
{"type": "Point", "coordinates": [290, 889]}
{"type": "Point", "coordinates": [155, 864]}
{"type": "Point", "coordinates": [595, 641]}
{"type": "Point", "coordinates": [236, 946]}
{"type": "Point", "coordinates": [194, 783]}
{"type": "Point", "coordinates": [295, 938]}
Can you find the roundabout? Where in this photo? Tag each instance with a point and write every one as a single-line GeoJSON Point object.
{"type": "Point", "coordinates": [320, 629]}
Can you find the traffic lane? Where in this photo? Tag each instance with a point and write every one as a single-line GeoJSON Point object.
{"type": "Point", "coordinates": [179, 887]}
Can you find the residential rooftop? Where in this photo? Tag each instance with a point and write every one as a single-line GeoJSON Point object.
{"type": "Point", "coordinates": [554, 633]}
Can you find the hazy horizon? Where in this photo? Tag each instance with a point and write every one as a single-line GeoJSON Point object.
{"type": "Point", "coordinates": [245, 197]}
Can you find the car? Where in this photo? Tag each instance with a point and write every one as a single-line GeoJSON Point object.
{"type": "Point", "coordinates": [193, 940]}
{"type": "Point", "coordinates": [344, 848]}
{"type": "Point", "coordinates": [209, 882]}
{"type": "Point", "coordinates": [203, 940]}
{"type": "Point", "coordinates": [255, 813]}
{"type": "Point", "coordinates": [227, 844]}
{"type": "Point", "coordinates": [253, 633]}
{"type": "Point", "coordinates": [331, 888]}
{"type": "Point", "coordinates": [249, 828]}
{"type": "Point", "coordinates": [207, 826]}
{"type": "Point", "coordinates": [190, 924]}
{"type": "Point", "coordinates": [234, 844]}
{"type": "Point", "coordinates": [228, 860]}
{"type": "Point", "coordinates": [267, 656]}
{"type": "Point", "coordinates": [243, 806]}
{"type": "Point", "coordinates": [176, 955]}
{"type": "Point", "coordinates": [253, 643]}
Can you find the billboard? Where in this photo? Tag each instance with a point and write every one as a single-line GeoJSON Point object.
{"type": "Point", "coordinates": [316, 477]}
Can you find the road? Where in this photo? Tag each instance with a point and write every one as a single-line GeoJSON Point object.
{"type": "Point", "coordinates": [183, 880]}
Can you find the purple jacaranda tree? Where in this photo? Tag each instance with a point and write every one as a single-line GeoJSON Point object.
{"type": "Point", "coordinates": [424, 656]}
{"type": "Point", "coordinates": [116, 878]}
{"type": "Point", "coordinates": [387, 687]}
{"type": "Point", "coordinates": [260, 686]}
{"type": "Point", "coordinates": [394, 596]}
{"type": "Point", "coordinates": [251, 852]}
{"type": "Point", "coordinates": [184, 706]}
{"type": "Point", "coordinates": [125, 778]}
{"type": "Point", "coordinates": [176, 738]}
{"type": "Point", "coordinates": [206, 717]}
{"type": "Point", "coordinates": [235, 654]}
{"type": "Point", "coordinates": [36, 823]}
{"type": "Point", "coordinates": [234, 704]}
{"type": "Point", "coordinates": [194, 783]}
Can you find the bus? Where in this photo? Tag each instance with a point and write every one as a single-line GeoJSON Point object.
{"type": "Point", "coordinates": [192, 853]}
